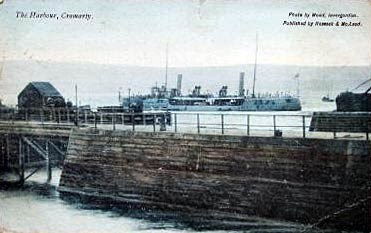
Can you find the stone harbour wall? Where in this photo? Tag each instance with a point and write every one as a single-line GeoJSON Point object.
{"type": "Point", "coordinates": [296, 179]}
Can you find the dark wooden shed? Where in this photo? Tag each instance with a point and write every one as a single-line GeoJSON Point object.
{"type": "Point", "coordinates": [40, 94]}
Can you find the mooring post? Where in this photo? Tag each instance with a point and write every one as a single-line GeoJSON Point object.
{"type": "Point", "coordinates": [101, 118]}
{"type": "Point", "coordinates": [144, 119]}
{"type": "Point", "coordinates": [162, 122]}
{"type": "Point", "coordinates": [198, 123]}
{"type": "Point", "coordinates": [335, 126]}
{"type": "Point", "coordinates": [123, 119]}
{"type": "Point", "coordinates": [21, 161]}
{"type": "Point", "coordinates": [303, 126]}
{"type": "Point", "coordinates": [274, 125]}
{"type": "Point", "coordinates": [95, 120]}
{"type": "Point", "coordinates": [132, 121]}
{"type": "Point", "coordinates": [48, 163]}
{"type": "Point", "coordinates": [222, 121]}
{"type": "Point", "coordinates": [113, 121]}
{"type": "Point", "coordinates": [248, 125]}
{"type": "Point", "coordinates": [175, 123]}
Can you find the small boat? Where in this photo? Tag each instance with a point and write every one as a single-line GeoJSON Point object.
{"type": "Point", "coordinates": [327, 98]}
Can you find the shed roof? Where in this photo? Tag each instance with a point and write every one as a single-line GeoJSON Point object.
{"type": "Point", "coordinates": [45, 88]}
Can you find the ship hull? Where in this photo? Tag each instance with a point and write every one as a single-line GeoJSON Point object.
{"type": "Point", "coordinates": [284, 103]}
{"type": "Point", "coordinates": [196, 108]}
{"type": "Point", "coordinates": [253, 104]}
{"type": "Point", "coordinates": [272, 104]}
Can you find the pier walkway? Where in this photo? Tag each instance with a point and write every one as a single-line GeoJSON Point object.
{"type": "Point", "coordinates": [266, 124]}
{"type": "Point", "coordinates": [42, 141]}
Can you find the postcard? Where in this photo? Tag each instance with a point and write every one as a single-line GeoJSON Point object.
{"type": "Point", "coordinates": [185, 115]}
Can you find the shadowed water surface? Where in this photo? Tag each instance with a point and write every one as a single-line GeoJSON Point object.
{"type": "Point", "coordinates": [37, 207]}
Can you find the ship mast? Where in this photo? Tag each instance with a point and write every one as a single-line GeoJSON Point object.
{"type": "Point", "coordinates": [1, 71]}
{"type": "Point", "coordinates": [167, 63]}
{"type": "Point", "coordinates": [296, 77]}
{"type": "Point", "coordinates": [256, 58]}
{"type": "Point", "coordinates": [1, 68]}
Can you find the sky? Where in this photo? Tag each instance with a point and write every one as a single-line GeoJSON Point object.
{"type": "Point", "coordinates": [198, 33]}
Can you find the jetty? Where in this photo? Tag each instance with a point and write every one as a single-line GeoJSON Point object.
{"type": "Point", "coordinates": [225, 177]}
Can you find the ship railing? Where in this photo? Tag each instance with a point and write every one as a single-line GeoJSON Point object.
{"type": "Point", "coordinates": [277, 124]}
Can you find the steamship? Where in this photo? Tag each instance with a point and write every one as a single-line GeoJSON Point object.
{"type": "Point", "coordinates": [162, 99]}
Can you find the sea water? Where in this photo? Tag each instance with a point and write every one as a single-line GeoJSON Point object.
{"type": "Point", "coordinates": [36, 207]}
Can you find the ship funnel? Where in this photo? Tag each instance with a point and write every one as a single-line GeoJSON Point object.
{"type": "Point", "coordinates": [179, 84]}
{"type": "Point", "coordinates": [241, 90]}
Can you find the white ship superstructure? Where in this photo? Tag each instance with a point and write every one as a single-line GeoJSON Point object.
{"type": "Point", "coordinates": [173, 100]}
